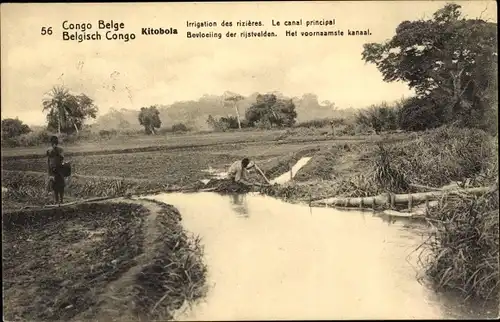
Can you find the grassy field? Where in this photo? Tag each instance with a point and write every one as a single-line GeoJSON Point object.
{"type": "Point", "coordinates": [180, 159]}
{"type": "Point", "coordinates": [340, 166]}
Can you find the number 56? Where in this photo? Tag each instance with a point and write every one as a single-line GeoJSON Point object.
{"type": "Point", "coordinates": [46, 31]}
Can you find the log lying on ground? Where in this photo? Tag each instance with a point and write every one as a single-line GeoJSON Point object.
{"type": "Point", "coordinates": [392, 199]}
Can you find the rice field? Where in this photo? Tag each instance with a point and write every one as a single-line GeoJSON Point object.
{"type": "Point", "coordinates": [98, 261]}
{"type": "Point", "coordinates": [350, 167]}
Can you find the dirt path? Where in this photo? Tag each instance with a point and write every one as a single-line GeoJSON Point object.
{"type": "Point", "coordinates": [115, 300]}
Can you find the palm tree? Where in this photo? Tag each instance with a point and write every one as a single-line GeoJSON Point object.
{"type": "Point", "coordinates": [55, 104]}
{"type": "Point", "coordinates": [65, 106]}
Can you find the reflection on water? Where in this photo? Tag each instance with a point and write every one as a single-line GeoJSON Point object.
{"type": "Point", "coordinates": [388, 219]}
{"type": "Point", "coordinates": [239, 205]}
{"type": "Point", "coordinates": [286, 261]}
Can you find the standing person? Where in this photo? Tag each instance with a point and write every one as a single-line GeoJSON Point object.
{"type": "Point", "coordinates": [55, 157]}
{"type": "Point", "coordinates": [239, 170]}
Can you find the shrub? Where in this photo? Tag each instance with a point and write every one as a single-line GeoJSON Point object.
{"type": "Point", "coordinates": [34, 138]}
{"type": "Point", "coordinates": [263, 124]}
{"type": "Point", "coordinates": [318, 123]}
{"type": "Point", "coordinates": [224, 123]}
{"type": "Point", "coordinates": [418, 115]}
{"type": "Point", "coordinates": [230, 121]}
{"type": "Point", "coordinates": [10, 143]}
{"type": "Point", "coordinates": [245, 124]}
{"type": "Point", "coordinates": [42, 137]}
{"type": "Point", "coordinates": [107, 133]}
{"type": "Point", "coordinates": [179, 127]}
{"type": "Point", "coordinates": [349, 129]}
{"type": "Point", "coordinates": [362, 129]}
{"type": "Point", "coordinates": [13, 128]}
{"type": "Point", "coordinates": [383, 117]}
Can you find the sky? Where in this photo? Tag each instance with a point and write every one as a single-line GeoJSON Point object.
{"type": "Point", "coordinates": [162, 69]}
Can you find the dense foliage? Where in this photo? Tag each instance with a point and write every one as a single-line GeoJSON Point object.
{"type": "Point", "coordinates": [149, 117]}
{"type": "Point", "coordinates": [269, 111]}
{"type": "Point", "coordinates": [67, 112]}
{"type": "Point", "coordinates": [450, 62]}
{"type": "Point", "coordinates": [13, 127]}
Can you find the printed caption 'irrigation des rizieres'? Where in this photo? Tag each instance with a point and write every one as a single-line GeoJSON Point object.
{"type": "Point", "coordinates": [115, 30]}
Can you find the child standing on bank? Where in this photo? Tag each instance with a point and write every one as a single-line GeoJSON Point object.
{"type": "Point", "coordinates": [55, 158]}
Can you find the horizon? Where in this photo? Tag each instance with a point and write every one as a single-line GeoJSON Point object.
{"type": "Point", "coordinates": [165, 70]}
{"type": "Point", "coordinates": [161, 106]}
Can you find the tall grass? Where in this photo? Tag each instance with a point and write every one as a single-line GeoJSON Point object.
{"type": "Point", "coordinates": [437, 158]}
{"type": "Point", "coordinates": [434, 158]}
{"type": "Point", "coordinates": [387, 176]}
{"type": "Point", "coordinates": [464, 245]}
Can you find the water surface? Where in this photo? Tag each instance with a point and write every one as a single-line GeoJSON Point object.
{"type": "Point", "coordinates": [268, 259]}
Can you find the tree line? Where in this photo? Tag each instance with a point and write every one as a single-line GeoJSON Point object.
{"type": "Point", "coordinates": [266, 112]}
{"type": "Point", "coordinates": [66, 114]}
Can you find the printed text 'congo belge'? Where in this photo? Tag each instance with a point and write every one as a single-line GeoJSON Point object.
{"type": "Point", "coordinates": [80, 31]}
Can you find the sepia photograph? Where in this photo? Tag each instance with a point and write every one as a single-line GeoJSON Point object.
{"type": "Point", "coordinates": [252, 160]}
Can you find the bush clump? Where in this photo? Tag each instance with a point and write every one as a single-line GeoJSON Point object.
{"type": "Point", "coordinates": [317, 123]}
{"type": "Point", "coordinates": [463, 245]}
{"type": "Point", "coordinates": [179, 127]}
{"type": "Point", "coordinates": [33, 138]}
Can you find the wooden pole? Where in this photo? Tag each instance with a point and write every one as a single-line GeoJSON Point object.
{"type": "Point", "coordinates": [398, 198]}
{"type": "Point", "coordinates": [262, 174]}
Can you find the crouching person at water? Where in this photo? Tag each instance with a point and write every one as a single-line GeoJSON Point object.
{"type": "Point", "coordinates": [55, 158]}
{"type": "Point", "coordinates": [238, 172]}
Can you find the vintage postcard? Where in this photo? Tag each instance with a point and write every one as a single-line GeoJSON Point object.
{"type": "Point", "coordinates": [206, 161]}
